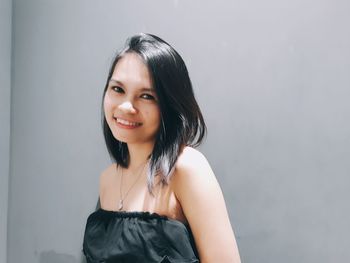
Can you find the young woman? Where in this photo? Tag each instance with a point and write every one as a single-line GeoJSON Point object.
{"type": "Point", "coordinates": [159, 200]}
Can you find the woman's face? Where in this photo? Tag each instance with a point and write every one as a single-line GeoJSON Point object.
{"type": "Point", "coordinates": [130, 102]}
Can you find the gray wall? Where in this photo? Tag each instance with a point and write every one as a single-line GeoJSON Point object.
{"type": "Point", "coordinates": [5, 98]}
{"type": "Point", "coordinates": [272, 78]}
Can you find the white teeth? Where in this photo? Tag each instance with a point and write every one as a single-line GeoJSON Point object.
{"type": "Point", "coordinates": [128, 122]}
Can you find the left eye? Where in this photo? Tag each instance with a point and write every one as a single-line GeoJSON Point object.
{"type": "Point", "coordinates": [147, 96]}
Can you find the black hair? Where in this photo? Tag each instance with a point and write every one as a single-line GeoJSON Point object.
{"type": "Point", "coordinates": [182, 122]}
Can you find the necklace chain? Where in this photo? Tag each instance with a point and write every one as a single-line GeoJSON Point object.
{"type": "Point", "coordinates": [121, 200]}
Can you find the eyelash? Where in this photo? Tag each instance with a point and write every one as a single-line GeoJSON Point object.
{"type": "Point", "coordinates": [120, 90]}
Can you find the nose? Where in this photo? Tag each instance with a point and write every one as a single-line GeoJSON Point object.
{"type": "Point", "coordinates": [127, 106]}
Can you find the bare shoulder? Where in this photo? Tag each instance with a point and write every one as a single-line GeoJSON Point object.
{"type": "Point", "coordinates": [191, 159]}
{"type": "Point", "coordinates": [107, 175]}
{"type": "Point", "coordinates": [199, 194]}
{"type": "Point", "coordinates": [191, 170]}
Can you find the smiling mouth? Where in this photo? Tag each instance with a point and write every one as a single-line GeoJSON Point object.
{"type": "Point", "coordinates": [127, 123]}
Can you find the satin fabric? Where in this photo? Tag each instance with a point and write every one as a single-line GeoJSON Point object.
{"type": "Point", "coordinates": [117, 236]}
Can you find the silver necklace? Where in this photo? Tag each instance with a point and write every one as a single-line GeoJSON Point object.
{"type": "Point", "coordinates": [121, 200]}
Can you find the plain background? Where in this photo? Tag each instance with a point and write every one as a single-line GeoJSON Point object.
{"type": "Point", "coordinates": [5, 99]}
{"type": "Point", "coordinates": [272, 79]}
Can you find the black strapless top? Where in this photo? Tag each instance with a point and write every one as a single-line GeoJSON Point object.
{"type": "Point", "coordinates": [137, 237]}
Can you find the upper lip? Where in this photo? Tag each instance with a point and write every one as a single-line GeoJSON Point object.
{"type": "Point", "coordinates": [126, 120]}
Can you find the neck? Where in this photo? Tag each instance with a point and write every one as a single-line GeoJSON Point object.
{"type": "Point", "coordinates": [138, 154]}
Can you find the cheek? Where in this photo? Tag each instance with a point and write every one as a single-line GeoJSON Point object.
{"type": "Point", "coordinates": [156, 117]}
{"type": "Point", "coordinates": [107, 104]}
{"type": "Point", "coordinates": [153, 115]}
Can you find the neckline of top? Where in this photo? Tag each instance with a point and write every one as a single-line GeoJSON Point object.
{"type": "Point", "coordinates": [141, 214]}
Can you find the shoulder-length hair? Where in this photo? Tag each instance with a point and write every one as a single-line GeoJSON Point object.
{"type": "Point", "coordinates": [182, 122]}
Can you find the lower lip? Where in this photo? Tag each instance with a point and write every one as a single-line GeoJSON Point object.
{"type": "Point", "coordinates": [126, 126]}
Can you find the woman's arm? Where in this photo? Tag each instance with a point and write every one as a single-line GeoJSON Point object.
{"type": "Point", "coordinates": [203, 204]}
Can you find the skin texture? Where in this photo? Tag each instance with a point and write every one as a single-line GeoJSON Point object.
{"type": "Point", "coordinates": [193, 194]}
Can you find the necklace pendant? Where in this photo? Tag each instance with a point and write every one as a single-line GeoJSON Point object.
{"type": "Point", "coordinates": [120, 205]}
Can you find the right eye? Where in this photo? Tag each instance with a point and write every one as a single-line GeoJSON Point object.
{"type": "Point", "coordinates": [117, 89]}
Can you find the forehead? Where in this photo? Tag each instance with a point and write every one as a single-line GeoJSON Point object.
{"type": "Point", "coordinates": [131, 70]}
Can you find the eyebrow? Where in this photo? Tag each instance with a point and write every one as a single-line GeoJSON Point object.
{"type": "Point", "coordinates": [121, 83]}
